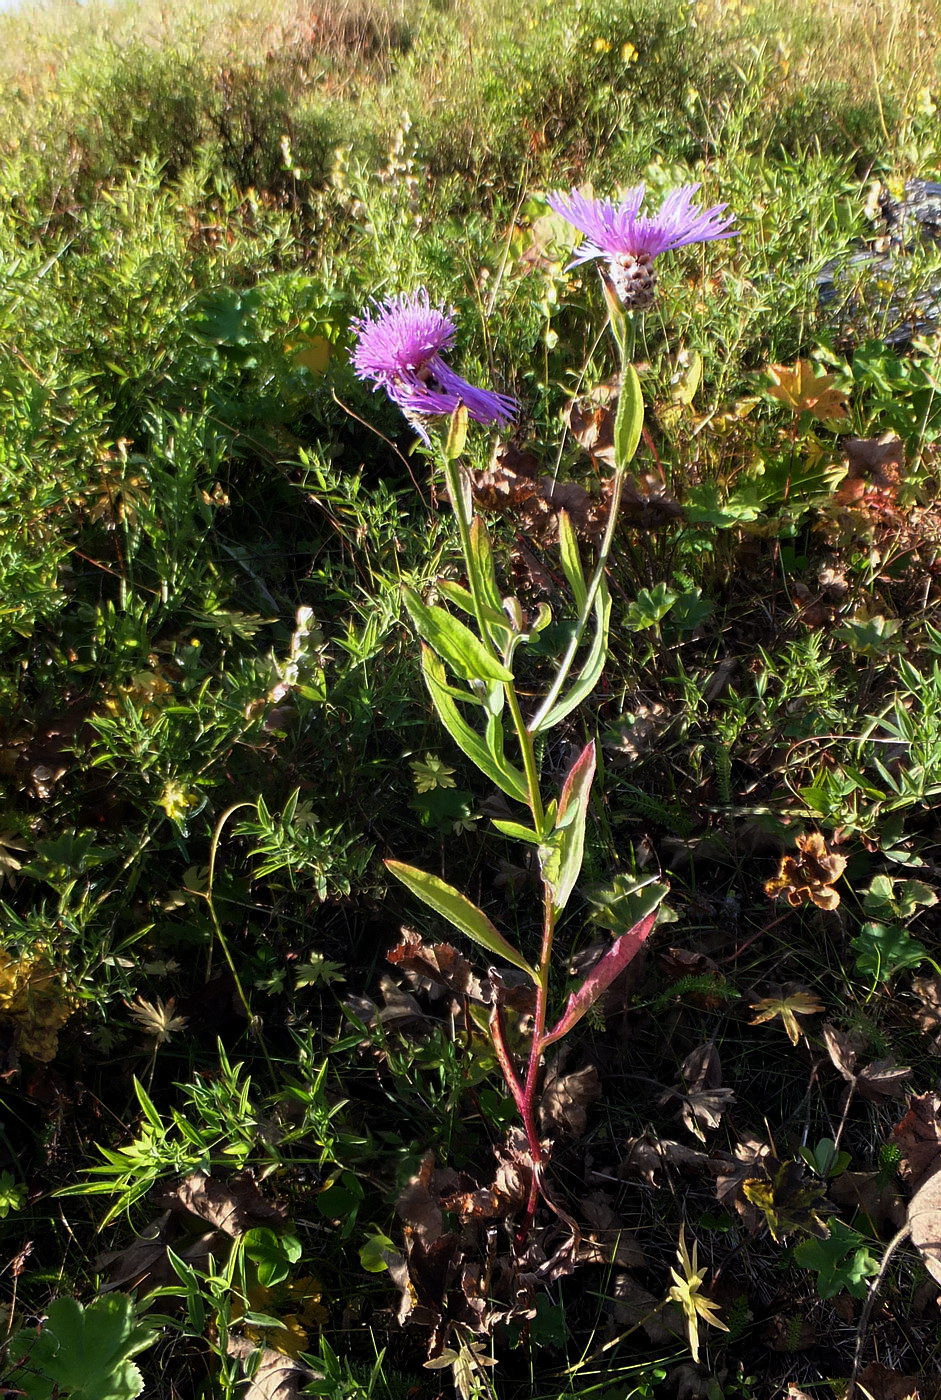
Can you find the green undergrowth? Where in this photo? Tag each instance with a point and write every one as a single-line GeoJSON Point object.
{"type": "Point", "coordinates": [213, 726]}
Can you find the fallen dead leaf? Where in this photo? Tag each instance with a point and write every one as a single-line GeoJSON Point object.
{"type": "Point", "coordinates": [606, 1241]}
{"type": "Point", "coordinates": [563, 1106]}
{"type": "Point", "coordinates": [646, 1156]}
{"type": "Point", "coordinates": [882, 1079]}
{"type": "Point", "coordinates": [808, 876]}
{"type": "Point", "coordinates": [270, 1375]}
{"type": "Point", "coordinates": [882, 1383]}
{"type": "Point", "coordinates": [702, 1098]}
{"type": "Point", "coordinates": [438, 963]}
{"type": "Point", "coordinates": [918, 1136]}
{"type": "Point", "coordinates": [928, 1016]}
{"type": "Point", "coordinates": [232, 1206]}
{"type": "Point", "coordinates": [924, 1219]}
{"type": "Point", "coordinates": [866, 1192]}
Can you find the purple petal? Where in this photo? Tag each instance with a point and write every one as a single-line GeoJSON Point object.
{"type": "Point", "coordinates": [446, 391]}
{"type": "Point", "coordinates": [614, 231]}
{"type": "Point", "coordinates": [400, 336]}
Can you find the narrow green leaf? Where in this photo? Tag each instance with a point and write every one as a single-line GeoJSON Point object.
{"type": "Point", "coordinates": [591, 671]}
{"type": "Point", "coordinates": [561, 857]}
{"type": "Point", "coordinates": [517, 832]}
{"type": "Point", "coordinates": [463, 598]}
{"type": "Point", "coordinates": [629, 420]}
{"type": "Point", "coordinates": [445, 900]}
{"type": "Point", "coordinates": [482, 567]}
{"type": "Point", "coordinates": [571, 560]}
{"type": "Point", "coordinates": [464, 652]}
{"type": "Point", "coordinates": [457, 434]}
{"type": "Point", "coordinates": [484, 755]}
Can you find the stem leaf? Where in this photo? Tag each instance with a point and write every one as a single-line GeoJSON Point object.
{"type": "Point", "coordinates": [445, 900]}
{"type": "Point", "coordinates": [561, 856]}
{"type": "Point", "coordinates": [487, 755]}
{"type": "Point", "coordinates": [591, 671]}
{"type": "Point", "coordinates": [571, 560]}
{"type": "Point", "coordinates": [629, 419]}
{"type": "Point", "coordinates": [622, 951]}
{"type": "Point", "coordinates": [465, 653]}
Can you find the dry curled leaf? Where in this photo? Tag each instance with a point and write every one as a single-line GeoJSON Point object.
{"type": "Point", "coordinates": [808, 876]}
{"type": "Point", "coordinates": [881, 1079]}
{"type": "Point", "coordinates": [232, 1206]}
{"type": "Point", "coordinates": [438, 963]}
{"type": "Point", "coordinates": [702, 1098]}
{"type": "Point", "coordinates": [869, 1194]}
{"type": "Point", "coordinates": [877, 1382]}
{"type": "Point", "coordinates": [928, 1015]}
{"type": "Point", "coordinates": [270, 1374]}
{"type": "Point", "coordinates": [924, 1219]}
{"type": "Point", "coordinates": [918, 1136]}
{"type": "Point", "coordinates": [805, 391]}
{"type": "Point", "coordinates": [563, 1107]}
{"type": "Point", "coordinates": [874, 468]}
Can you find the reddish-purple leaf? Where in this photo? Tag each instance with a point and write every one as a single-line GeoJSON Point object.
{"type": "Point", "coordinates": [622, 951]}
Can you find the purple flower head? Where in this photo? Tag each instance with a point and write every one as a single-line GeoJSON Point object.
{"type": "Point", "coordinates": [398, 345]}
{"type": "Point", "coordinates": [629, 241]}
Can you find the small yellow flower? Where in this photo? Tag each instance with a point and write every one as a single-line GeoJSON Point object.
{"type": "Point", "coordinates": [687, 1295]}
{"type": "Point", "coordinates": [628, 53]}
{"type": "Point", "coordinates": [602, 46]}
{"type": "Point", "coordinates": [177, 801]}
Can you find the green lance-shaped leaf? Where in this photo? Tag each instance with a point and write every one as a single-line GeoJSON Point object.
{"type": "Point", "coordinates": [629, 419]}
{"type": "Point", "coordinates": [561, 856]}
{"type": "Point", "coordinates": [482, 568]}
{"type": "Point", "coordinates": [622, 951]}
{"type": "Point", "coordinates": [591, 671]}
{"type": "Point", "coordinates": [463, 598]}
{"type": "Point", "coordinates": [456, 644]}
{"type": "Point", "coordinates": [487, 755]}
{"type": "Point", "coordinates": [445, 900]}
{"type": "Point", "coordinates": [571, 560]}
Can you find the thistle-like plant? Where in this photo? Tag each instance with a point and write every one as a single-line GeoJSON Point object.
{"type": "Point", "coordinates": [468, 665]}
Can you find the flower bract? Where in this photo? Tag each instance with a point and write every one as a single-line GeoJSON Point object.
{"type": "Point", "coordinates": [629, 240]}
{"type": "Point", "coordinates": [398, 346]}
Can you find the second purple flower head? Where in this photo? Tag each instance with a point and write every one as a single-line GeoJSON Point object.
{"type": "Point", "coordinates": [629, 241]}
{"type": "Point", "coordinates": [398, 346]}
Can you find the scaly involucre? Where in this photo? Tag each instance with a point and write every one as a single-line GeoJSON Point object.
{"type": "Point", "coordinates": [398, 346]}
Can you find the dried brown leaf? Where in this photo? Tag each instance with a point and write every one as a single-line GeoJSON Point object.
{"type": "Point", "coordinates": [271, 1375]}
{"type": "Point", "coordinates": [883, 1079]}
{"type": "Point", "coordinates": [232, 1206]}
{"type": "Point", "coordinates": [918, 1135]}
{"type": "Point", "coordinates": [808, 876]}
{"type": "Point", "coordinates": [924, 1219]}
{"type": "Point", "coordinates": [879, 1382]}
{"type": "Point", "coordinates": [871, 1196]}
{"type": "Point", "coordinates": [928, 1016]}
{"type": "Point", "coordinates": [563, 1107]}
{"type": "Point", "coordinates": [439, 963]}
{"type": "Point", "coordinates": [703, 1099]}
